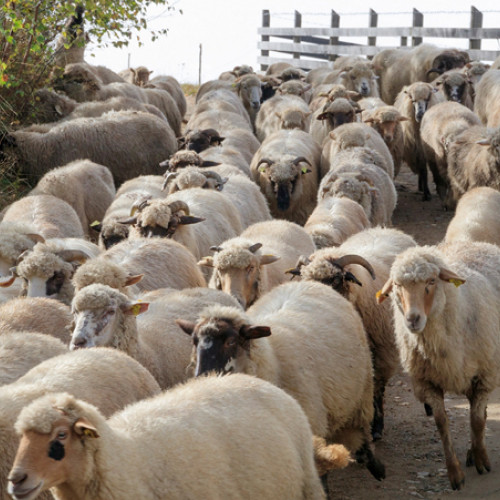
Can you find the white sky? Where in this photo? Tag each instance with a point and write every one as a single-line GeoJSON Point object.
{"type": "Point", "coordinates": [227, 30]}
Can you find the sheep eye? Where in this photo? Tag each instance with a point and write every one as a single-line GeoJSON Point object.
{"type": "Point", "coordinates": [61, 435]}
{"type": "Point", "coordinates": [250, 269]}
{"type": "Point", "coordinates": [230, 342]}
{"type": "Point", "coordinates": [431, 282]}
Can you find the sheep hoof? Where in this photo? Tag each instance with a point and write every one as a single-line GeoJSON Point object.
{"type": "Point", "coordinates": [376, 436]}
{"type": "Point", "coordinates": [377, 469]}
{"type": "Point", "coordinates": [482, 463]}
{"type": "Point", "coordinates": [458, 482]}
{"type": "Point", "coordinates": [426, 197]}
{"type": "Point", "coordinates": [428, 409]}
{"type": "Point", "coordinates": [470, 459]}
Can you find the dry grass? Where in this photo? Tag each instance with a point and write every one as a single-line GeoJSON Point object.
{"type": "Point", "coordinates": [189, 89]}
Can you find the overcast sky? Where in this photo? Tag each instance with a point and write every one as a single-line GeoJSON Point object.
{"type": "Point", "coordinates": [227, 30]}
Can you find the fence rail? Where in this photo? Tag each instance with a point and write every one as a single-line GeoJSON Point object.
{"type": "Point", "coordinates": [320, 44]}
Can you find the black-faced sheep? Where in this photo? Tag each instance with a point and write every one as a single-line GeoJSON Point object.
{"type": "Point", "coordinates": [447, 330]}
{"type": "Point", "coordinates": [455, 86]}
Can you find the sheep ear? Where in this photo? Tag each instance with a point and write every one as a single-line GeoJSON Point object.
{"type": "Point", "coordinates": [132, 280]}
{"type": "Point", "coordinates": [206, 261]}
{"type": "Point", "coordinates": [36, 238]}
{"type": "Point", "coordinates": [381, 295]}
{"type": "Point", "coordinates": [368, 120]}
{"type": "Point", "coordinates": [135, 309]}
{"type": "Point", "coordinates": [58, 109]}
{"type": "Point", "coordinates": [451, 277]}
{"type": "Point", "coordinates": [254, 332]}
{"type": "Point", "coordinates": [186, 326]}
{"type": "Point", "coordinates": [402, 119]}
{"type": "Point", "coordinates": [267, 259]}
{"type": "Point", "coordinates": [84, 428]}
{"type": "Point", "coordinates": [484, 142]}
{"type": "Point", "coordinates": [322, 116]}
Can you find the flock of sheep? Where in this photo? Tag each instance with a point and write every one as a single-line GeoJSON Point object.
{"type": "Point", "coordinates": [253, 241]}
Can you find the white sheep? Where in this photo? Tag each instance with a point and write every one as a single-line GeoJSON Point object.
{"type": "Point", "coordinates": [250, 265]}
{"type": "Point", "coordinates": [316, 351]}
{"type": "Point", "coordinates": [447, 330]}
{"type": "Point", "coordinates": [159, 432]}
{"type": "Point", "coordinates": [104, 377]}
{"type": "Point", "coordinates": [486, 99]}
{"type": "Point", "coordinates": [173, 87]}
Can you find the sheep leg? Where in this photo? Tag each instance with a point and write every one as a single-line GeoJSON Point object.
{"type": "Point", "coordinates": [423, 184]}
{"type": "Point", "coordinates": [373, 464]}
{"type": "Point", "coordinates": [455, 474]}
{"type": "Point", "coordinates": [477, 454]}
{"type": "Point", "coordinates": [428, 409]}
{"type": "Point", "coordinates": [378, 407]}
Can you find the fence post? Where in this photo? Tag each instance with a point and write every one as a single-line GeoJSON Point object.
{"type": "Point", "coordinates": [372, 40]}
{"type": "Point", "coordinates": [418, 22]}
{"type": "Point", "coordinates": [476, 21]}
{"type": "Point", "coordinates": [334, 40]}
{"type": "Point", "coordinates": [296, 39]}
{"type": "Point", "coordinates": [266, 23]}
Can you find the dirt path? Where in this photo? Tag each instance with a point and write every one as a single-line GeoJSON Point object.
{"type": "Point", "coordinates": [411, 449]}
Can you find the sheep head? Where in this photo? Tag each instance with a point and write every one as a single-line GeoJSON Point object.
{"type": "Point", "coordinates": [338, 112]}
{"type": "Point", "coordinates": [385, 121]}
{"type": "Point", "coordinates": [493, 143]}
{"type": "Point", "coordinates": [455, 86]}
{"type": "Point", "coordinates": [222, 339]}
{"type": "Point", "coordinates": [447, 60]}
{"type": "Point", "coordinates": [249, 88]}
{"type": "Point", "coordinates": [283, 177]}
{"type": "Point", "coordinates": [419, 93]}
{"type": "Point", "coordinates": [183, 159]}
{"type": "Point", "coordinates": [58, 435]}
{"type": "Point", "coordinates": [292, 118]}
{"type": "Point", "coordinates": [194, 178]}
{"type": "Point", "coordinates": [416, 282]}
{"type": "Point", "coordinates": [292, 73]}
{"type": "Point", "coordinates": [78, 82]}
{"type": "Point", "coordinates": [294, 87]}
{"type": "Point", "coordinates": [360, 78]}
{"type": "Point", "coordinates": [199, 140]}
{"type": "Point", "coordinates": [111, 233]}
{"type": "Point", "coordinates": [238, 269]}
{"type": "Point", "coordinates": [475, 70]}
{"type": "Point", "coordinates": [141, 76]}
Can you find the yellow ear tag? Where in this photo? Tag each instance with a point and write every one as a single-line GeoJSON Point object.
{"type": "Point", "coordinates": [136, 309]}
{"type": "Point", "coordinates": [88, 433]}
{"type": "Point", "coordinates": [95, 223]}
{"type": "Point", "coordinates": [456, 282]}
{"type": "Point", "coordinates": [262, 169]}
{"type": "Point", "coordinates": [304, 170]}
{"type": "Point", "coordinates": [378, 294]}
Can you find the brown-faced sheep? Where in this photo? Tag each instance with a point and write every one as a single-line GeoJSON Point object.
{"type": "Point", "coordinates": [455, 86]}
{"type": "Point", "coordinates": [446, 322]}
{"type": "Point", "coordinates": [287, 169]}
{"type": "Point", "coordinates": [128, 143]}
{"type": "Point", "coordinates": [306, 339]}
{"type": "Point", "coordinates": [357, 269]}
{"type": "Point", "coordinates": [476, 217]}
{"type": "Point", "coordinates": [334, 220]}
{"type": "Point", "coordinates": [325, 93]}
{"type": "Point", "coordinates": [105, 377]}
{"type": "Point", "coordinates": [297, 88]}
{"type": "Point", "coordinates": [106, 317]}
{"type": "Point", "coordinates": [359, 77]}
{"type": "Point", "coordinates": [487, 97]}
{"type": "Point", "coordinates": [250, 265]}
{"type": "Point", "coordinates": [439, 128]}
{"type": "Point", "coordinates": [277, 440]}
{"type": "Point", "coordinates": [412, 102]}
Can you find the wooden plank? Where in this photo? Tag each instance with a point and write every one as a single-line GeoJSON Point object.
{"type": "Point", "coordinates": [418, 22]}
{"type": "Point", "coordinates": [266, 22]}
{"type": "Point", "coordinates": [304, 64]}
{"type": "Point", "coordinates": [476, 21]}
{"type": "Point", "coordinates": [372, 40]}
{"type": "Point", "coordinates": [297, 39]}
{"type": "Point", "coordinates": [334, 40]}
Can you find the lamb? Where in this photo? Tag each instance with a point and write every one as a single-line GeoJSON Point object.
{"type": "Point", "coordinates": [106, 317]}
{"type": "Point", "coordinates": [439, 128]}
{"type": "Point", "coordinates": [277, 441]}
{"type": "Point", "coordinates": [413, 101]}
{"type": "Point", "coordinates": [487, 96]}
{"type": "Point", "coordinates": [104, 377]}
{"type": "Point", "coordinates": [250, 265]}
{"type": "Point", "coordinates": [334, 220]}
{"type": "Point", "coordinates": [455, 86]}
{"type": "Point", "coordinates": [446, 322]}
{"type": "Point", "coordinates": [473, 160]}
{"type": "Point", "coordinates": [355, 135]}
{"type": "Point", "coordinates": [87, 186]}
{"type": "Point", "coordinates": [357, 269]}
{"type": "Point", "coordinates": [386, 120]}
{"type": "Point", "coordinates": [328, 370]}
{"type": "Point", "coordinates": [128, 143]}
{"type": "Point", "coordinates": [287, 169]}
{"type": "Point", "coordinates": [21, 351]}
{"type": "Point", "coordinates": [50, 216]}
{"type": "Point", "coordinates": [163, 263]}
{"type": "Point", "coordinates": [47, 269]}
{"type": "Point", "coordinates": [357, 174]}
{"type": "Point", "coordinates": [476, 217]}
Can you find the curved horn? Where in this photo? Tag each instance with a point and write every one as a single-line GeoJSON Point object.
{"type": "Point", "coordinates": [302, 261]}
{"type": "Point", "coordinates": [265, 160]}
{"type": "Point", "coordinates": [139, 204]}
{"type": "Point", "coordinates": [73, 255]}
{"type": "Point", "coordinates": [168, 177]}
{"type": "Point", "coordinates": [22, 256]}
{"type": "Point", "coordinates": [253, 248]}
{"type": "Point", "coordinates": [216, 249]}
{"type": "Point", "coordinates": [177, 205]}
{"type": "Point", "coordinates": [301, 159]}
{"type": "Point", "coordinates": [8, 281]}
{"type": "Point", "coordinates": [210, 174]}
{"type": "Point", "coordinates": [434, 70]}
{"type": "Point", "coordinates": [354, 259]}
{"type": "Point", "coordinates": [130, 220]}
{"type": "Point", "coordinates": [37, 238]}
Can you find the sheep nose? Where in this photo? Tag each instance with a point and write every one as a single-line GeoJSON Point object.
{"type": "Point", "coordinates": [256, 104]}
{"type": "Point", "coordinates": [364, 89]}
{"type": "Point", "coordinates": [17, 477]}
{"type": "Point", "coordinates": [78, 343]}
{"type": "Point", "coordinates": [413, 319]}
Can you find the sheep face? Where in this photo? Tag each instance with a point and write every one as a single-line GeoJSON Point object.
{"type": "Point", "coordinates": [420, 94]}
{"type": "Point", "coordinates": [338, 112]}
{"type": "Point", "coordinates": [250, 91]}
{"type": "Point", "coordinates": [94, 328]}
{"type": "Point", "coordinates": [455, 87]}
{"type": "Point", "coordinates": [385, 121]}
{"type": "Point", "coordinates": [221, 346]}
{"type": "Point", "coordinates": [112, 233]}
{"type": "Point", "coordinates": [293, 119]}
{"type": "Point", "coordinates": [294, 87]}
{"type": "Point", "coordinates": [360, 78]}
{"type": "Point", "coordinates": [199, 140]}
{"type": "Point", "coordinates": [78, 83]}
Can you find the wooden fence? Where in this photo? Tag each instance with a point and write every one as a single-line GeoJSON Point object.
{"type": "Point", "coordinates": [322, 44]}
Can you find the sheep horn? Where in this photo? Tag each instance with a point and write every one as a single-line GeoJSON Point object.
{"type": "Point", "coordinates": [216, 249]}
{"type": "Point", "coordinates": [253, 248]}
{"type": "Point", "coordinates": [168, 178]}
{"type": "Point", "coordinates": [8, 281]}
{"type": "Point", "coordinates": [73, 255]}
{"type": "Point", "coordinates": [166, 165]}
{"type": "Point", "coordinates": [354, 259]}
{"type": "Point", "coordinates": [177, 205]}
{"type": "Point", "coordinates": [37, 238]}
{"type": "Point", "coordinates": [434, 70]}
{"type": "Point", "coordinates": [23, 255]}
{"type": "Point", "coordinates": [130, 220]}
{"type": "Point", "coordinates": [139, 205]}
{"type": "Point", "coordinates": [303, 261]}
{"type": "Point", "coordinates": [265, 160]}
{"type": "Point", "coordinates": [210, 174]}
{"type": "Point", "coordinates": [301, 159]}
{"type": "Point", "coordinates": [190, 219]}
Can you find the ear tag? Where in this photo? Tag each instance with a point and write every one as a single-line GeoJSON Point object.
{"type": "Point", "coordinates": [456, 282]}
{"type": "Point", "coordinates": [88, 433]}
{"type": "Point", "coordinates": [56, 450]}
{"type": "Point", "coordinates": [378, 294]}
{"type": "Point", "coordinates": [136, 309]}
{"type": "Point", "coordinates": [95, 223]}
{"type": "Point", "coordinates": [262, 169]}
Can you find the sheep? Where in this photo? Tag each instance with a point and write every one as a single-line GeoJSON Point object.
{"type": "Point", "coordinates": [222, 99]}
{"type": "Point", "coordinates": [316, 76]}
{"type": "Point", "coordinates": [487, 95]}
{"type": "Point", "coordinates": [104, 377]}
{"type": "Point", "coordinates": [386, 120]}
{"type": "Point", "coordinates": [368, 104]}
{"type": "Point", "coordinates": [476, 217]}
{"type": "Point", "coordinates": [164, 263]}
{"type": "Point", "coordinates": [455, 86]}
{"type": "Point", "coordinates": [241, 191]}
{"type": "Point", "coordinates": [50, 216]}
{"type": "Point", "coordinates": [357, 174]}
{"type": "Point", "coordinates": [128, 143]}
{"type": "Point", "coordinates": [295, 87]}
{"type": "Point", "coordinates": [440, 126]}
{"type": "Point", "coordinates": [474, 71]}
{"type": "Point", "coordinates": [278, 437]}
{"type": "Point", "coordinates": [70, 45]}
{"type": "Point", "coordinates": [137, 76]}
{"type": "Point", "coordinates": [334, 220]}
{"type": "Point", "coordinates": [325, 93]}
{"type": "Point", "coordinates": [106, 317]}
{"type": "Point", "coordinates": [446, 323]}
{"type": "Point", "coordinates": [327, 370]}
{"type": "Point", "coordinates": [21, 351]}
{"type": "Point", "coordinates": [287, 169]}
{"type": "Point", "coordinates": [236, 73]}
{"type": "Point", "coordinates": [413, 102]}
{"type": "Point", "coordinates": [355, 135]}
{"type": "Point", "coordinates": [222, 121]}
{"type": "Point", "coordinates": [473, 160]}
{"type": "Point", "coordinates": [173, 87]}
{"type": "Point", "coordinates": [357, 269]}
{"type": "Point", "coordinates": [278, 67]}
{"type": "Point", "coordinates": [228, 156]}
{"type": "Point", "coordinates": [359, 77]}
{"type": "Point", "coordinates": [35, 315]}
{"type": "Point", "coordinates": [250, 265]}
{"type": "Point", "coordinates": [87, 186]}
{"type": "Point", "coordinates": [47, 269]}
